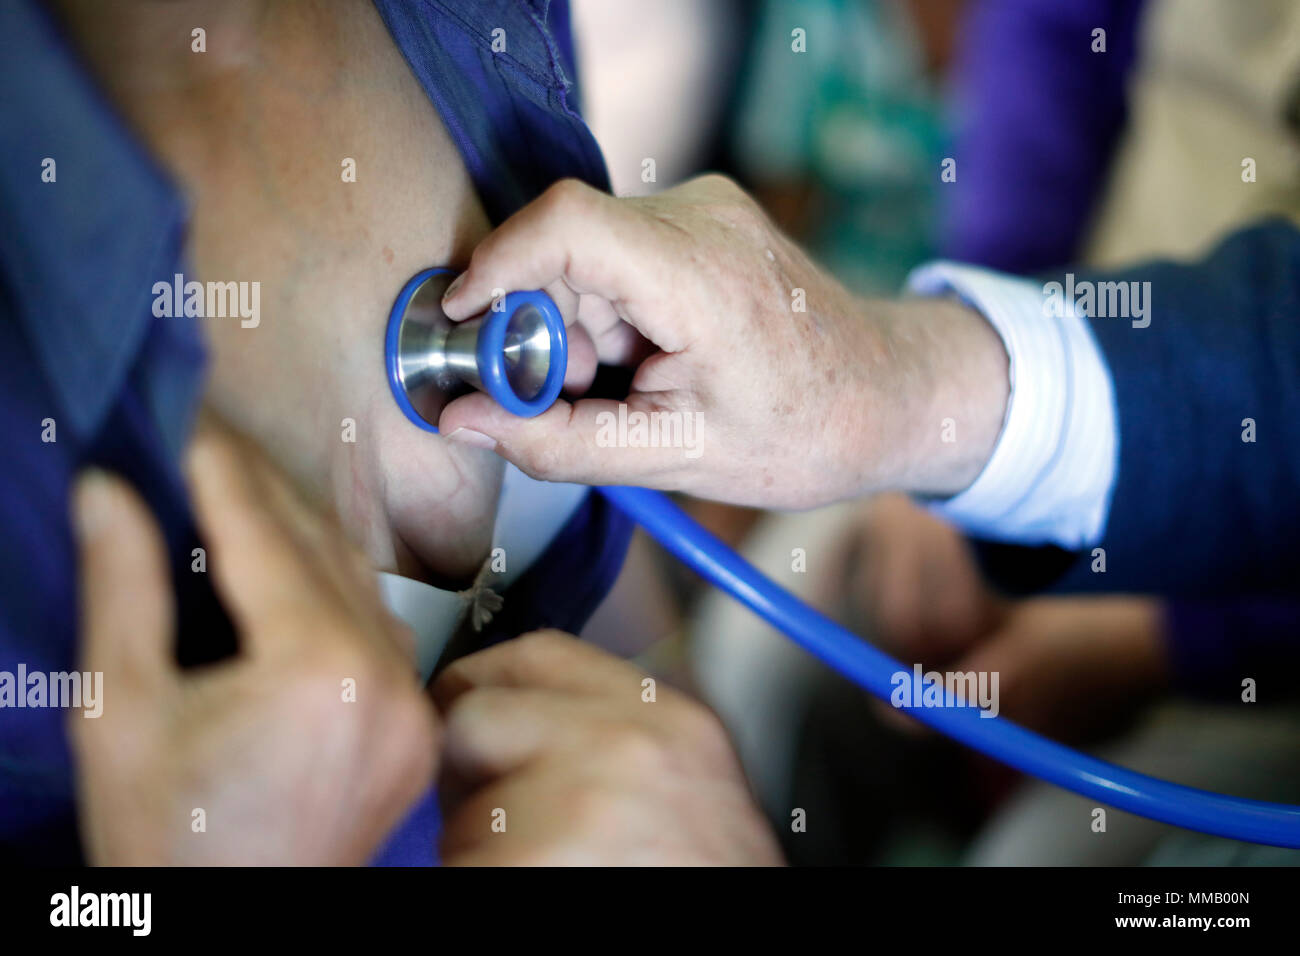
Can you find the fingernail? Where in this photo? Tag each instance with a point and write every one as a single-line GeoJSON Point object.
{"type": "Point", "coordinates": [471, 437]}
{"type": "Point", "coordinates": [452, 289]}
{"type": "Point", "coordinates": [92, 502]}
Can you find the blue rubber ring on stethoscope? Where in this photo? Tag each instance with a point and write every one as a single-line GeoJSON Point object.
{"type": "Point", "coordinates": [491, 354]}
{"type": "Point", "coordinates": [391, 337]}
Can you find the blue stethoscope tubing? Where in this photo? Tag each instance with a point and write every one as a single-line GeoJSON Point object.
{"type": "Point", "coordinates": [1237, 818]}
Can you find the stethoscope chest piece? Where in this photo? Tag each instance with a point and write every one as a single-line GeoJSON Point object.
{"type": "Point", "coordinates": [517, 351]}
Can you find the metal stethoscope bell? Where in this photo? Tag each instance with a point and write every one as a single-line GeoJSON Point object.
{"type": "Point", "coordinates": [517, 352]}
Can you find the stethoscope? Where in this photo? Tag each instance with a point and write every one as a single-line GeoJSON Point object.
{"type": "Point", "coordinates": [517, 352]}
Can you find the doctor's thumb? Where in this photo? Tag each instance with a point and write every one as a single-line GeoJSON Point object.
{"type": "Point", "coordinates": [564, 443]}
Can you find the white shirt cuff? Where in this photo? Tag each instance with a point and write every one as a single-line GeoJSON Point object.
{"type": "Point", "coordinates": [1051, 475]}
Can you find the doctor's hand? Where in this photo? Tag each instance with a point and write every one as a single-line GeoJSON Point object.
{"type": "Point", "coordinates": [773, 385]}
{"type": "Point", "coordinates": [556, 754]}
{"type": "Point", "coordinates": [263, 749]}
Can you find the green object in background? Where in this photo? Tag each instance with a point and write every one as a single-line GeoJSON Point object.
{"type": "Point", "coordinates": [855, 116]}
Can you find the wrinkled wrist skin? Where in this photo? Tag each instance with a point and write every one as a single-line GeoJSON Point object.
{"type": "Point", "coordinates": [929, 402]}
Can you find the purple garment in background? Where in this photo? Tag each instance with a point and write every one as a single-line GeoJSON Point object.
{"type": "Point", "coordinates": [1037, 116]}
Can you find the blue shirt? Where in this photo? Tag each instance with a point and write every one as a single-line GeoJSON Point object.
{"type": "Point", "coordinates": [92, 377]}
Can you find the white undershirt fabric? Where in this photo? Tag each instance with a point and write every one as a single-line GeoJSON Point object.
{"type": "Point", "coordinates": [1050, 478]}
{"type": "Point", "coordinates": [529, 516]}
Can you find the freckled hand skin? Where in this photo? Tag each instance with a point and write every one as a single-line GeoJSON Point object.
{"type": "Point", "coordinates": [256, 131]}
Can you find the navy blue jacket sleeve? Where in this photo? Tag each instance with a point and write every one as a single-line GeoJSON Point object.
{"type": "Point", "coordinates": [1214, 646]}
{"type": "Point", "coordinates": [1196, 507]}
{"type": "Point", "coordinates": [1197, 510]}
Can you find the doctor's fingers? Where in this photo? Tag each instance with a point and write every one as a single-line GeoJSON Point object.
{"type": "Point", "coordinates": [597, 334]}
{"type": "Point", "coordinates": [595, 245]}
{"type": "Point", "coordinates": [582, 352]}
{"type": "Point", "coordinates": [616, 341]}
{"type": "Point", "coordinates": [581, 370]}
{"type": "Point", "coordinates": [591, 441]}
